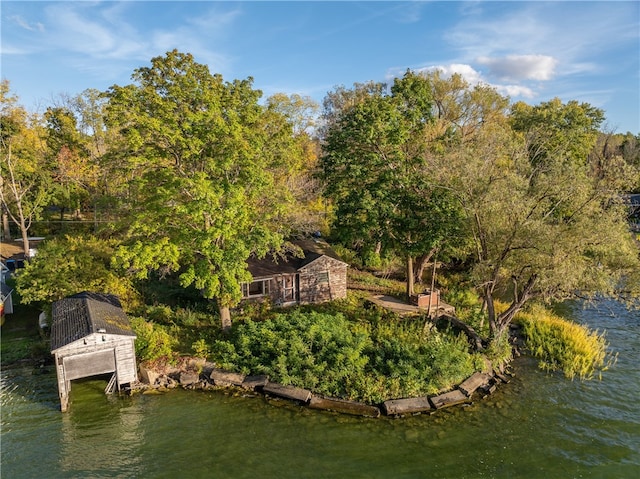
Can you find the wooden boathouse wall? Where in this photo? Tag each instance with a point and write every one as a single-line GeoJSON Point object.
{"type": "Point", "coordinates": [91, 336]}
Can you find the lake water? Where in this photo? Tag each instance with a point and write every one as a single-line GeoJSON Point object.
{"type": "Point", "coordinates": [538, 426]}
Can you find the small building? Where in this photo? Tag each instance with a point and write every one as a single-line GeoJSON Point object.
{"type": "Point", "coordinates": [6, 291]}
{"type": "Point", "coordinates": [317, 276]}
{"type": "Point", "coordinates": [91, 336]}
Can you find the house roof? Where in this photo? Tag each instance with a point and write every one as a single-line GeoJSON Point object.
{"type": "Point", "coordinates": [312, 249]}
{"type": "Point", "coordinates": [84, 314]}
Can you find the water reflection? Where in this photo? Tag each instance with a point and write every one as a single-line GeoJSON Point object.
{"type": "Point", "coordinates": [100, 433]}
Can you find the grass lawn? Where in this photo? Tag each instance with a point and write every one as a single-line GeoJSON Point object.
{"type": "Point", "coordinates": [20, 337]}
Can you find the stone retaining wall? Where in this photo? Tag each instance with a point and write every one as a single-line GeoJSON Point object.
{"type": "Point", "coordinates": [198, 374]}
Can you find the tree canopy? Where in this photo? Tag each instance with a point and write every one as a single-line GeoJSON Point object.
{"type": "Point", "coordinates": [543, 224]}
{"type": "Point", "coordinates": [25, 181]}
{"type": "Point", "coordinates": [375, 172]}
{"type": "Point", "coordinates": [203, 163]}
{"type": "Point", "coordinates": [198, 174]}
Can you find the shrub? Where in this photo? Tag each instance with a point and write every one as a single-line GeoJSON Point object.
{"type": "Point", "coordinates": [69, 265]}
{"type": "Point", "coordinates": [153, 341]}
{"type": "Point", "coordinates": [201, 349]}
{"type": "Point", "coordinates": [359, 354]}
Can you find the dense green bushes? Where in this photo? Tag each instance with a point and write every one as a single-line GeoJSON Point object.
{"type": "Point", "coordinates": [166, 332]}
{"type": "Point", "coordinates": [153, 341]}
{"type": "Point", "coordinates": [369, 360]}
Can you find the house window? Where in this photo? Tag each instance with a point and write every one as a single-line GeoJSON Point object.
{"type": "Point", "coordinates": [322, 277]}
{"type": "Point", "coordinates": [257, 288]}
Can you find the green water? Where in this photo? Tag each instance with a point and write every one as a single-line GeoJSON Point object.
{"type": "Point", "coordinates": [538, 426]}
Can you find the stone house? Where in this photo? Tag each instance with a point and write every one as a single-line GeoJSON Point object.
{"type": "Point", "coordinates": [317, 276]}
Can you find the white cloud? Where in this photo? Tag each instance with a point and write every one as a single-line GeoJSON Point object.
{"type": "Point", "coordinates": [471, 75]}
{"type": "Point", "coordinates": [515, 91]}
{"type": "Point", "coordinates": [567, 36]}
{"type": "Point", "coordinates": [79, 34]}
{"type": "Point", "coordinates": [215, 21]}
{"type": "Point", "coordinates": [102, 39]}
{"type": "Point", "coordinates": [521, 67]}
{"type": "Point", "coordinates": [32, 27]}
{"type": "Point", "coordinates": [410, 12]}
{"type": "Point", "coordinates": [475, 77]}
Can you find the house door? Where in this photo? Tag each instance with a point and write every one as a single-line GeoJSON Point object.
{"type": "Point", "coordinates": [289, 289]}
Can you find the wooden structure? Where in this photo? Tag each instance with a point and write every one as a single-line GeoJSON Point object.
{"type": "Point", "coordinates": [318, 276]}
{"type": "Point", "coordinates": [414, 308]}
{"type": "Point", "coordinates": [398, 407]}
{"type": "Point", "coordinates": [343, 406]}
{"type": "Point", "coordinates": [91, 336]}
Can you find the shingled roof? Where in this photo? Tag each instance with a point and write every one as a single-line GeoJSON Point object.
{"type": "Point", "coordinates": [87, 313]}
{"type": "Point", "coordinates": [312, 249]}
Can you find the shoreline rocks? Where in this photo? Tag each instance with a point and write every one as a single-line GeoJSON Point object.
{"type": "Point", "coordinates": [198, 374]}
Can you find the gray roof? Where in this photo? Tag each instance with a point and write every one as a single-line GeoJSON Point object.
{"type": "Point", "coordinates": [84, 314]}
{"type": "Point", "coordinates": [312, 249]}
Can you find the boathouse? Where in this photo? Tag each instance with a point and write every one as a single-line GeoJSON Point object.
{"type": "Point", "coordinates": [91, 336]}
{"type": "Point", "coordinates": [315, 276]}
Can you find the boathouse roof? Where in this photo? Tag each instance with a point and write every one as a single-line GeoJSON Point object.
{"type": "Point", "coordinates": [87, 313]}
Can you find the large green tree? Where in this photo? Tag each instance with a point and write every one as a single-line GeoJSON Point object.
{"type": "Point", "coordinates": [69, 265]}
{"type": "Point", "coordinates": [308, 212]}
{"type": "Point", "coordinates": [375, 173]}
{"type": "Point", "coordinates": [74, 174]}
{"type": "Point", "coordinates": [24, 174]}
{"type": "Point", "coordinates": [204, 164]}
{"type": "Point", "coordinates": [544, 224]}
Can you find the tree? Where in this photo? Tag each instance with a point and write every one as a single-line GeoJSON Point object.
{"type": "Point", "coordinates": [69, 265]}
{"type": "Point", "coordinates": [375, 173]}
{"type": "Point", "coordinates": [203, 162]}
{"type": "Point", "coordinates": [544, 225]}
{"type": "Point", "coordinates": [307, 212]}
{"type": "Point", "coordinates": [555, 131]}
{"type": "Point", "coordinates": [73, 172]}
{"type": "Point", "coordinates": [24, 178]}
{"type": "Point", "coordinates": [338, 101]}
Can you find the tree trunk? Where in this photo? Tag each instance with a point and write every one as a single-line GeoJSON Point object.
{"type": "Point", "coordinates": [25, 240]}
{"type": "Point", "coordinates": [491, 311]}
{"type": "Point", "coordinates": [5, 225]}
{"type": "Point", "coordinates": [409, 277]}
{"type": "Point", "coordinates": [225, 318]}
{"type": "Point", "coordinates": [421, 264]}
{"type": "Point", "coordinates": [499, 323]}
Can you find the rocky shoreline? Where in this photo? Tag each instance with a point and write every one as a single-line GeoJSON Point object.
{"type": "Point", "coordinates": [198, 374]}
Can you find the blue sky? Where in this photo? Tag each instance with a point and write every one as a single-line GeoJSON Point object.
{"type": "Point", "coordinates": [531, 51]}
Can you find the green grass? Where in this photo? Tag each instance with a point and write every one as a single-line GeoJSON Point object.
{"type": "Point", "coordinates": [563, 345]}
{"type": "Point", "coordinates": [21, 338]}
